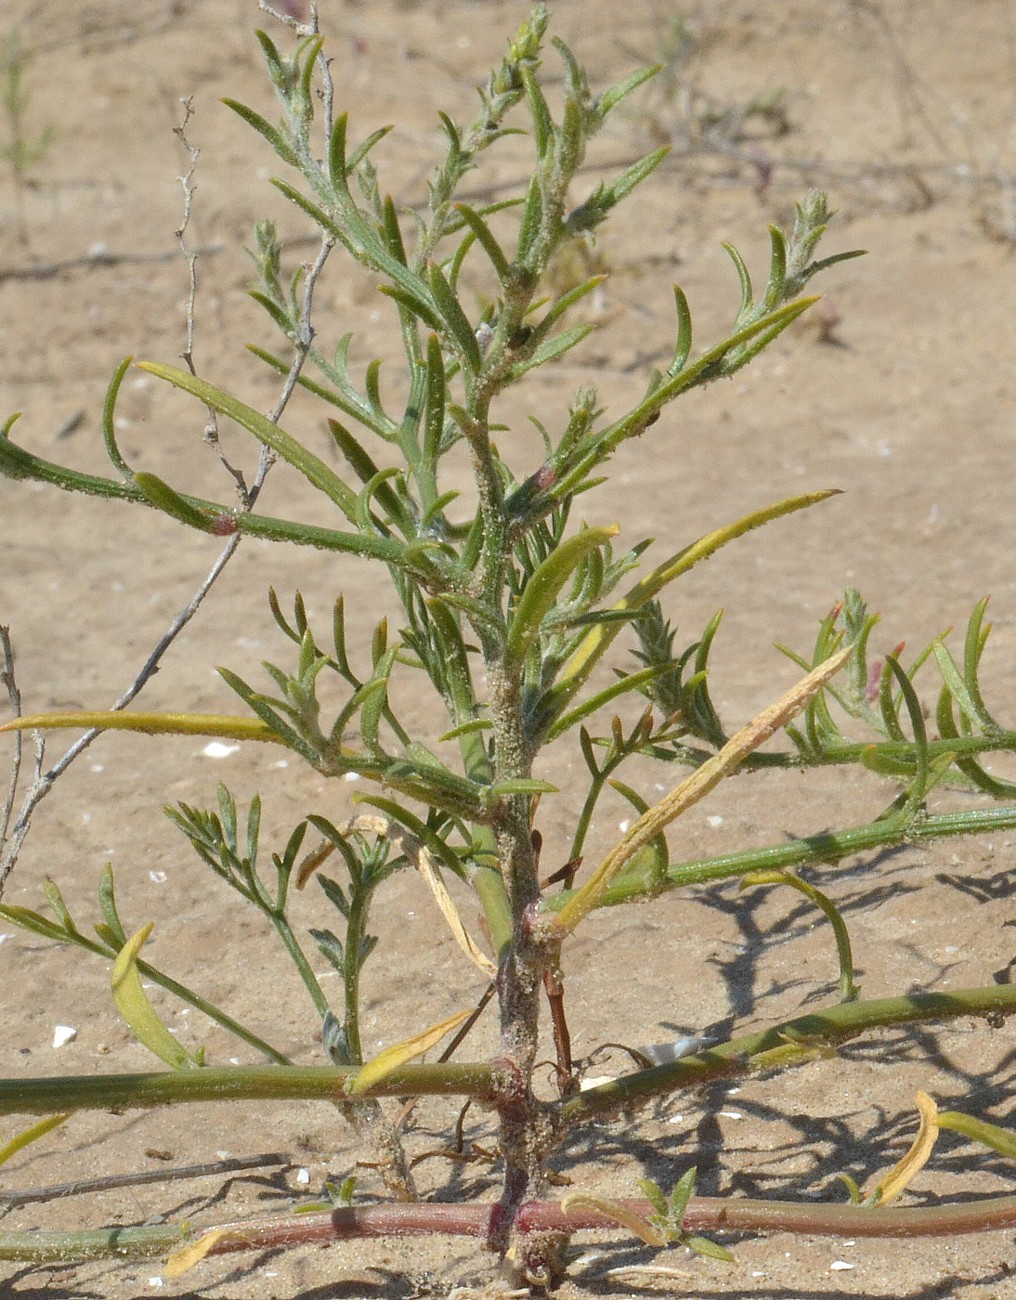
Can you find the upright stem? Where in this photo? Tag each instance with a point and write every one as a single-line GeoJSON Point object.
{"type": "Point", "coordinates": [526, 1129]}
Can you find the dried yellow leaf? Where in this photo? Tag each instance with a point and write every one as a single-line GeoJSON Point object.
{"type": "Point", "coordinates": [399, 1053]}
{"type": "Point", "coordinates": [184, 1258]}
{"type": "Point", "coordinates": [897, 1179]}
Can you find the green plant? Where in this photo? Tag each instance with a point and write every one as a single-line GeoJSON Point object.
{"type": "Point", "coordinates": [509, 612]}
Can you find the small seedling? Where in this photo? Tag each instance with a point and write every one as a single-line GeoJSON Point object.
{"type": "Point", "coordinates": [20, 149]}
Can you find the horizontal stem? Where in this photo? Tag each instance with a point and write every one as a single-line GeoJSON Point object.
{"type": "Point", "coordinates": [44, 1096]}
{"type": "Point", "coordinates": [703, 1214]}
{"type": "Point", "coordinates": [812, 849]}
{"type": "Point", "coordinates": [789, 1043]}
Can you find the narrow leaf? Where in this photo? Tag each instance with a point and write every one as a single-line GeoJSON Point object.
{"type": "Point", "coordinates": [310, 466]}
{"type": "Point", "coordinates": [901, 1175]}
{"type": "Point", "coordinates": [133, 1004]}
{"type": "Point", "coordinates": [399, 1053]}
{"type": "Point", "coordinates": [694, 787]}
{"type": "Point", "coordinates": [263, 127]}
{"type": "Point", "coordinates": [543, 586]}
{"type": "Point", "coordinates": [151, 724]}
{"type": "Point", "coordinates": [31, 1134]}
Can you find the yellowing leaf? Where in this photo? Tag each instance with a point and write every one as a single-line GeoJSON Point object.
{"type": "Point", "coordinates": [696, 786]}
{"type": "Point", "coordinates": [150, 724]}
{"type": "Point", "coordinates": [133, 1004]}
{"type": "Point", "coordinates": [622, 1214]}
{"type": "Point", "coordinates": [894, 1182]}
{"type": "Point", "coordinates": [399, 1053]}
{"type": "Point", "coordinates": [31, 1134]}
{"type": "Point", "coordinates": [184, 1258]}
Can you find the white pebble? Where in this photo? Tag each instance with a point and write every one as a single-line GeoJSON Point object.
{"type": "Point", "coordinates": [63, 1034]}
{"type": "Point", "coordinates": [303, 1177]}
{"type": "Point", "coordinates": [216, 749]}
{"type": "Point", "coordinates": [838, 1265]}
{"type": "Point", "coordinates": [158, 877]}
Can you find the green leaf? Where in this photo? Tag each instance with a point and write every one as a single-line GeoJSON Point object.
{"type": "Point", "coordinates": [107, 904]}
{"type": "Point", "coordinates": [457, 325]}
{"type": "Point", "coordinates": [310, 466]}
{"type": "Point", "coordinates": [541, 590]}
{"type": "Point", "coordinates": [108, 422]}
{"type": "Point", "coordinates": [32, 1134]}
{"type": "Point", "coordinates": [159, 494]}
{"type": "Point", "coordinates": [655, 1196]}
{"type": "Point", "coordinates": [485, 238]}
{"type": "Point", "coordinates": [596, 642]}
{"type": "Point", "coordinates": [609, 100]}
{"type": "Point", "coordinates": [709, 1249]}
{"type": "Point", "coordinates": [553, 348]}
{"type": "Point", "coordinates": [263, 127]}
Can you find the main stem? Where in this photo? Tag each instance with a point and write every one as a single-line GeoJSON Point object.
{"type": "Point", "coordinates": [525, 1129]}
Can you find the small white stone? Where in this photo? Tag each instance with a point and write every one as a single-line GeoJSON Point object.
{"type": "Point", "coordinates": [216, 749]}
{"type": "Point", "coordinates": [731, 1114]}
{"type": "Point", "coordinates": [714, 821]}
{"type": "Point", "coordinates": [667, 1053]}
{"type": "Point", "coordinates": [303, 1177]}
{"type": "Point", "coordinates": [838, 1265]}
{"type": "Point", "coordinates": [351, 776]}
{"type": "Point", "coordinates": [623, 826]}
{"type": "Point", "coordinates": [156, 1282]}
{"type": "Point", "coordinates": [158, 877]}
{"type": "Point", "coordinates": [63, 1034]}
{"type": "Point", "coordinates": [5, 937]}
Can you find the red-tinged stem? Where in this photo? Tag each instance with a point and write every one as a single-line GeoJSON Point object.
{"type": "Point", "coordinates": [704, 1214]}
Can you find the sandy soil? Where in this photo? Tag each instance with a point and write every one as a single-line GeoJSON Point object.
{"type": "Point", "coordinates": [898, 390]}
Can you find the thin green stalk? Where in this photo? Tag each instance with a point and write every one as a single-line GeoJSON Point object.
{"type": "Point", "coordinates": [848, 988]}
{"type": "Point", "coordinates": [181, 991]}
{"type": "Point", "coordinates": [356, 930]}
{"type": "Point", "coordinates": [299, 958]}
{"type": "Point", "coordinates": [787, 1044]}
{"type": "Point", "coordinates": [815, 849]}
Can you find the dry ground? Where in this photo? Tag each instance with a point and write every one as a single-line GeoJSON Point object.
{"type": "Point", "coordinates": [902, 395]}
